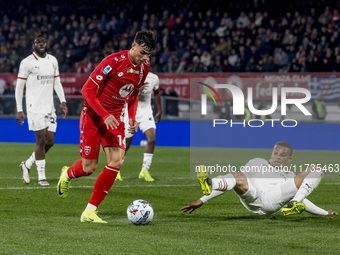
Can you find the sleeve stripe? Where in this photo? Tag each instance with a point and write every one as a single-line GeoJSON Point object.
{"type": "Point", "coordinates": [56, 76]}
{"type": "Point", "coordinates": [22, 78]}
{"type": "Point", "coordinates": [94, 82]}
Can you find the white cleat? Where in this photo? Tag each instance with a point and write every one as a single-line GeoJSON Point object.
{"type": "Point", "coordinates": [43, 183]}
{"type": "Point", "coordinates": [25, 172]}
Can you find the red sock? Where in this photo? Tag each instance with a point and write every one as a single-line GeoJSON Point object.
{"type": "Point", "coordinates": [76, 170]}
{"type": "Point", "coordinates": [103, 184]}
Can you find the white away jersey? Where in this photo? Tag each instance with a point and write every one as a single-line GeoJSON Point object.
{"type": "Point", "coordinates": [144, 99]}
{"type": "Point", "coordinates": [40, 74]}
{"type": "Point", "coordinates": [264, 195]}
{"type": "Point", "coordinates": [260, 171]}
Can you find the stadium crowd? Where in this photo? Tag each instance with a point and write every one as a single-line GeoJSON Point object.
{"type": "Point", "coordinates": [215, 36]}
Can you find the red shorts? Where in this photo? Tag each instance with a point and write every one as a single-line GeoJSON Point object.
{"type": "Point", "coordinates": [93, 132]}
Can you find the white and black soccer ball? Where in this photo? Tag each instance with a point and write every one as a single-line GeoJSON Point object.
{"type": "Point", "coordinates": [140, 212]}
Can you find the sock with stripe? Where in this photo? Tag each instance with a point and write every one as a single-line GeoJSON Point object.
{"type": "Point", "coordinates": [76, 170]}
{"type": "Point", "coordinates": [103, 184]}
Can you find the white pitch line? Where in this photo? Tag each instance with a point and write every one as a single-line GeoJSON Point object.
{"type": "Point", "coordinates": [117, 186]}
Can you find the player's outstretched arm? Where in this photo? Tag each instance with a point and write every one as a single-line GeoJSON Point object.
{"type": "Point", "coordinates": [314, 209]}
{"type": "Point", "coordinates": [192, 207]}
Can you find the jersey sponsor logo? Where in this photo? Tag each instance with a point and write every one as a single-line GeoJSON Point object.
{"type": "Point", "coordinates": [131, 70]}
{"type": "Point", "coordinates": [126, 89]}
{"type": "Point", "coordinates": [87, 150]}
{"type": "Point", "coordinates": [107, 69]}
{"type": "Point", "coordinates": [99, 77]}
{"type": "Point", "coordinates": [120, 74]}
{"type": "Point", "coordinates": [44, 77]}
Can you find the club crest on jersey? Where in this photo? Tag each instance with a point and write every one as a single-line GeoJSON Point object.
{"type": "Point", "coordinates": [131, 70]}
{"type": "Point", "coordinates": [125, 90]}
{"type": "Point", "coordinates": [107, 69]}
{"type": "Point", "coordinates": [87, 150]}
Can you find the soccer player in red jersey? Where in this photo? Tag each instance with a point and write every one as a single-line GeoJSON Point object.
{"type": "Point", "coordinates": [115, 82]}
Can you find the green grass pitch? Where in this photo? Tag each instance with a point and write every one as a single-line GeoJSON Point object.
{"type": "Point", "coordinates": [34, 220]}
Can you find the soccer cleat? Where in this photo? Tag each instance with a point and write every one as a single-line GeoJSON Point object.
{"type": "Point", "coordinates": [293, 207]}
{"type": "Point", "coordinates": [25, 172]}
{"type": "Point", "coordinates": [91, 216]}
{"type": "Point", "coordinates": [119, 177]}
{"type": "Point", "coordinates": [144, 174]}
{"type": "Point", "coordinates": [43, 183]}
{"type": "Point", "coordinates": [64, 183]}
{"type": "Point", "coordinates": [203, 179]}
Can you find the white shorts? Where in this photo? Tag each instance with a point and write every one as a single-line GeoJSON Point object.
{"type": "Point", "coordinates": [144, 123]}
{"type": "Point", "coordinates": [40, 121]}
{"type": "Point", "coordinates": [268, 200]}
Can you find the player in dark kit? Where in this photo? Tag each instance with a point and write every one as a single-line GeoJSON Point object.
{"type": "Point", "coordinates": [115, 82]}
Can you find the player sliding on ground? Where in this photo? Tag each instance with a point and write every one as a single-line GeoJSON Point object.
{"type": "Point", "coordinates": [265, 192]}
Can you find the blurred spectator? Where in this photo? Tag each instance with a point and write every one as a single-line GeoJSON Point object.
{"type": "Point", "coordinates": [281, 60]}
{"type": "Point", "coordinates": [77, 35]}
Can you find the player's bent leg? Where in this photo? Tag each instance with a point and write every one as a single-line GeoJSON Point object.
{"type": "Point", "coordinates": [91, 216]}
{"type": "Point", "coordinates": [241, 184]}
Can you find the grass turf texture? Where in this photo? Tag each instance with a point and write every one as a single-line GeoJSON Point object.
{"type": "Point", "coordinates": [34, 220]}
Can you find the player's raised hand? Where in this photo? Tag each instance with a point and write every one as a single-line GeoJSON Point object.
{"type": "Point", "coordinates": [133, 126]}
{"type": "Point", "coordinates": [111, 122]}
{"type": "Point", "coordinates": [192, 207]}
{"type": "Point", "coordinates": [64, 108]}
{"type": "Point", "coordinates": [20, 118]}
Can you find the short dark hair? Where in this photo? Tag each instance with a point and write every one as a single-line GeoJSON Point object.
{"type": "Point", "coordinates": [287, 145]}
{"type": "Point", "coordinates": [146, 38]}
{"type": "Point", "coordinates": [38, 36]}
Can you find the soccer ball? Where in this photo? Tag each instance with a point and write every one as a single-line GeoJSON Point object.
{"type": "Point", "coordinates": [140, 212]}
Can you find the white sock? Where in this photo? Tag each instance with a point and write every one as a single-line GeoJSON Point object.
{"type": "Point", "coordinates": [30, 161]}
{"type": "Point", "coordinates": [226, 182]}
{"type": "Point", "coordinates": [309, 184]}
{"type": "Point", "coordinates": [91, 207]}
{"type": "Point", "coordinates": [41, 169]}
{"type": "Point", "coordinates": [147, 161]}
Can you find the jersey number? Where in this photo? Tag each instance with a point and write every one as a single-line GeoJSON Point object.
{"type": "Point", "coordinates": [120, 140]}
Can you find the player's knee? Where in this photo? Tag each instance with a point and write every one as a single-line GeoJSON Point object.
{"type": "Point", "coordinates": [152, 140]}
{"type": "Point", "coordinates": [89, 169]}
{"type": "Point", "coordinates": [116, 163]}
{"type": "Point", "coordinates": [49, 143]}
